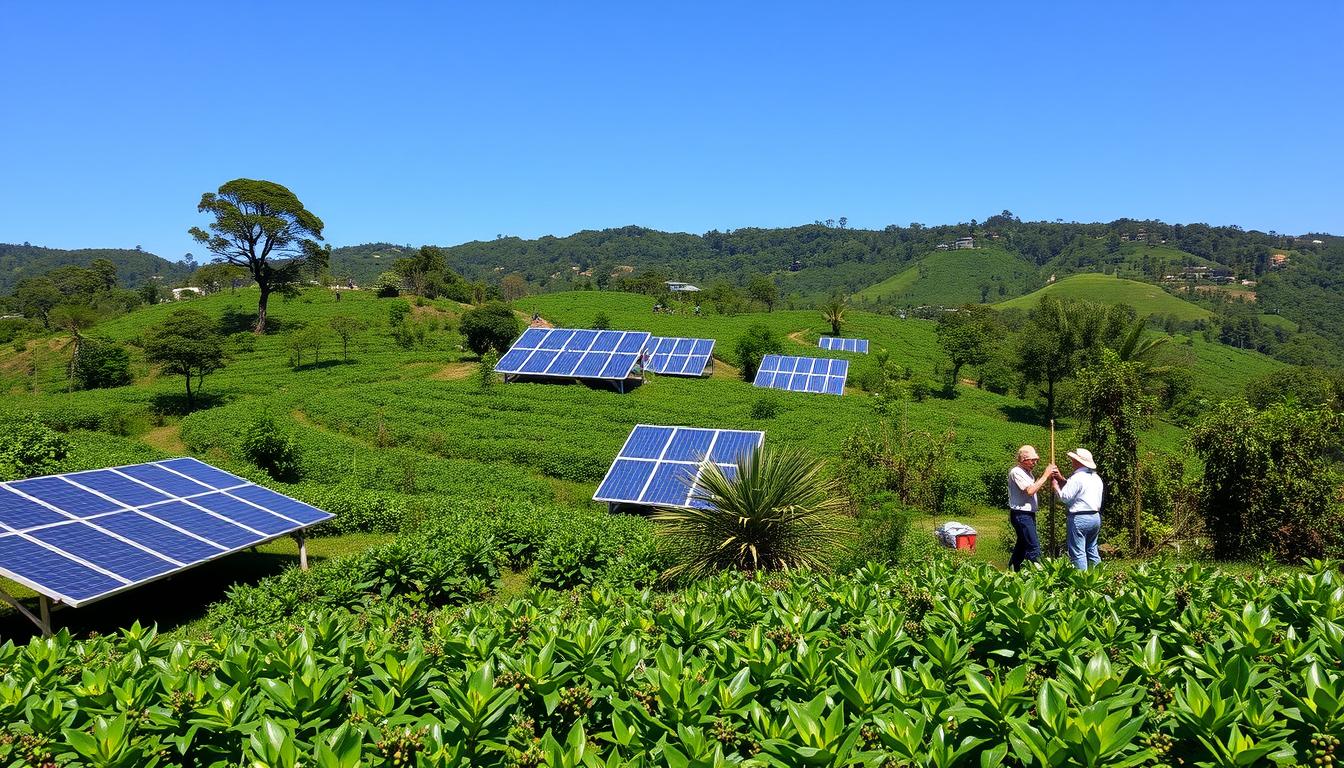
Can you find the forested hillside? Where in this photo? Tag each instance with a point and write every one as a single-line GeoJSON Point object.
{"type": "Point", "coordinates": [134, 266]}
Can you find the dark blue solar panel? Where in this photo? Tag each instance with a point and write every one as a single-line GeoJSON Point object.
{"type": "Point", "coordinates": [646, 442]}
{"type": "Point", "coordinates": [203, 524]}
{"type": "Point", "coordinates": [816, 384]}
{"type": "Point", "coordinates": [581, 340]}
{"type": "Point", "coordinates": [64, 496]}
{"type": "Point", "coordinates": [619, 366]}
{"type": "Point", "coordinates": [625, 481]}
{"type": "Point", "coordinates": [539, 361]}
{"type": "Point", "coordinates": [731, 445]}
{"type": "Point", "coordinates": [592, 365]}
{"type": "Point", "coordinates": [158, 537]}
{"type": "Point", "coordinates": [689, 445]}
{"type": "Point", "coordinates": [119, 487]}
{"type": "Point", "coordinates": [565, 363]}
{"type": "Point", "coordinates": [162, 479]}
{"type": "Point", "coordinates": [769, 363]}
{"type": "Point", "coordinates": [632, 342]}
{"type": "Point", "coordinates": [704, 346]}
{"type": "Point", "coordinates": [684, 346]}
{"type": "Point", "coordinates": [606, 341]}
{"type": "Point", "coordinates": [18, 512]}
{"type": "Point", "coordinates": [835, 385]}
{"type": "Point", "coordinates": [556, 339]}
{"type": "Point", "coordinates": [804, 374]}
{"type": "Point", "coordinates": [513, 359]}
{"type": "Point", "coordinates": [242, 512]}
{"type": "Point", "coordinates": [531, 338]}
{"type": "Point", "coordinates": [291, 508]}
{"type": "Point", "coordinates": [53, 571]}
{"type": "Point", "coordinates": [671, 484]}
{"type": "Point", "coordinates": [202, 472]}
{"type": "Point", "coordinates": [98, 548]}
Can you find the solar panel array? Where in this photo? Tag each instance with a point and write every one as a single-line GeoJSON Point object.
{"type": "Point", "coordinates": [658, 466]}
{"type": "Point", "coordinates": [838, 344]}
{"type": "Point", "coordinates": [678, 357]}
{"type": "Point", "coordinates": [803, 374]}
{"type": "Point", "coordinates": [574, 354]}
{"type": "Point", "coordinates": [83, 536]}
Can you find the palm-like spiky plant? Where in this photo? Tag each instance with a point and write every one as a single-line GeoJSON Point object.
{"type": "Point", "coordinates": [779, 512]}
{"type": "Point", "coordinates": [834, 311]}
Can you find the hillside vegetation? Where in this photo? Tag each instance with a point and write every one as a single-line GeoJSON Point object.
{"type": "Point", "coordinates": [134, 267]}
{"type": "Point", "coordinates": [949, 278]}
{"type": "Point", "coordinates": [1147, 299]}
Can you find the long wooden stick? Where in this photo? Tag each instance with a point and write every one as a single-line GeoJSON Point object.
{"type": "Point", "coordinates": [1054, 538]}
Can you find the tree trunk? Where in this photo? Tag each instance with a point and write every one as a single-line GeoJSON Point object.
{"type": "Point", "coordinates": [260, 327]}
{"type": "Point", "coordinates": [190, 403]}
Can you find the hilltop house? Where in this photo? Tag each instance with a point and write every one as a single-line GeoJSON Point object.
{"type": "Point", "coordinates": [676, 287]}
{"type": "Point", "coordinates": [963, 243]}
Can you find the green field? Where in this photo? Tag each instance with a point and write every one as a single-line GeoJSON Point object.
{"type": "Point", "coordinates": [1147, 299]}
{"type": "Point", "coordinates": [949, 278]}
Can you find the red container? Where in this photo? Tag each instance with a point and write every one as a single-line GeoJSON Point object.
{"type": "Point", "coordinates": [966, 541]}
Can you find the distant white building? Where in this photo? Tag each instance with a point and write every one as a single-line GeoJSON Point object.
{"type": "Point", "coordinates": [178, 293]}
{"type": "Point", "coordinates": [676, 287]}
{"type": "Point", "coordinates": [963, 243]}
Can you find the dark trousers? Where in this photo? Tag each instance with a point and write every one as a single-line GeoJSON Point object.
{"type": "Point", "coordinates": [1028, 547]}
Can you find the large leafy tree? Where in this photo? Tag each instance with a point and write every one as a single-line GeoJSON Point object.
{"type": "Point", "coordinates": [968, 335]}
{"type": "Point", "coordinates": [1115, 402]}
{"type": "Point", "coordinates": [262, 226]}
{"type": "Point", "coordinates": [188, 344]}
{"type": "Point", "coordinates": [761, 288]}
{"type": "Point", "coordinates": [778, 512]}
{"type": "Point", "coordinates": [491, 326]}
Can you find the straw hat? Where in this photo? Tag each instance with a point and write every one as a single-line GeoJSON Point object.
{"type": "Point", "coordinates": [1084, 457]}
{"type": "Point", "coordinates": [1026, 452]}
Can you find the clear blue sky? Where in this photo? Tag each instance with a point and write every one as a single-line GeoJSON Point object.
{"type": "Point", "coordinates": [442, 123]}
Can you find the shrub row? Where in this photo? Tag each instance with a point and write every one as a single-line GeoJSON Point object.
{"type": "Point", "coordinates": [457, 555]}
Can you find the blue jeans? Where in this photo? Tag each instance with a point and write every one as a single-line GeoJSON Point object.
{"type": "Point", "coordinates": [1083, 530]}
{"type": "Point", "coordinates": [1028, 547]}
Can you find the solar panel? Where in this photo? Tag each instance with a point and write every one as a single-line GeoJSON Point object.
{"type": "Point", "coordinates": [658, 466]}
{"type": "Point", "coordinates": [678, 357]}
{"type": "Point", "coordinates": [838, 344]}
{"type": "Point", "coordinates": [574, 353]}
{"type": "Point", "coordinates": [83, 536]}
{"type": "Point", "coordinates": [803, 374]}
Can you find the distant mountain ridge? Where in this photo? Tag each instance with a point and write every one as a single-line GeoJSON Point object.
{"type": "Point", "coordinates": [134, 267]}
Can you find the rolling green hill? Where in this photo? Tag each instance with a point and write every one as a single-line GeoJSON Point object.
{"type": "Point", "coordinates": [1145, 298]}
{"type": "Point", "coordinates": [954, 277]}
{"type": "Point", "coordinates": [133, 267]}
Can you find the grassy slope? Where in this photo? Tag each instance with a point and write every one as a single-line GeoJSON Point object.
{"type": "Point", "coordinates": [951, 277]}
{"type": "Point", "coordinates": [414, 420]}
{"type": "Point", "coordinates": [1146, 298]}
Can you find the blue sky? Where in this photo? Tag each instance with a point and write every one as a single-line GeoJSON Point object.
{"type": "Point", "coordinates": [442, 123]}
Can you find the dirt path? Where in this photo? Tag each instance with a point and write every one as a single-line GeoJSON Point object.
{"type": "Point", "coordinates": [798, 337]}
{"type": "Point", "coordinates": [454, 372]}
{"type": "Point", "coordinates": [167, 439]}
{"type": "Point", "coordinates": [723, 370]}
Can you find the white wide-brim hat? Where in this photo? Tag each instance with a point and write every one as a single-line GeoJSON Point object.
{"type": "Point", "coordinates": [1084, 457]}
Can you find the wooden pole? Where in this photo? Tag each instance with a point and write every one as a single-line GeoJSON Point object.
{"type": "Point", "coordinates": [1054, 538]}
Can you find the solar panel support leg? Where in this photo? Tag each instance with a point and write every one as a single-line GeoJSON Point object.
{"type": "Point", "coordinates": [42, 621]}
{"type": "Point", "coordinates": [303, 550]}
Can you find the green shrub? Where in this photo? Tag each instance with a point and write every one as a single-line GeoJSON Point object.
{"type": "Point", "coordinates": [265, 445]}
{"type": "Point", "coordinates": [752, 347]}
{"type": "Point", "coordinates": [883, 528]}
{"type": "Point", "coordinates": [101, 364]}
{"type": "Point", "coordinates": [601, 322]}
{"type": "Point", "coordinates": [490, 326]}
{"type": "Point", "coordinates": [28, 447]}
{"type": "Point", "coordinates": [766, 406]}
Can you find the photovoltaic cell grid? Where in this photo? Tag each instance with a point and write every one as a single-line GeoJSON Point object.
{"type": "Point", "coordinates": [82, 536]}
{"type": "Point", "coordinates": [658, 466]}
{"type": "Point", "coordinates": [678, 357]}
{"type": "Point", "coordinates": [838, 344]}
{"type": "Point", "coordinates": [570, 353]}
{"type": "Point", "coordinates": [803, 374]}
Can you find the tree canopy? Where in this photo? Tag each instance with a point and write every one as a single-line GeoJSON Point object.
{"type": "Point", "coordinates": [262, 226]}
{"type": "Point", "coordinates": [186, 343]}
{"type": "Point", "coordinates": [491, 326]}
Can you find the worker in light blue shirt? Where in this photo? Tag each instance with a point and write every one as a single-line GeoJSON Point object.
{"type": "Point", "coordinates": [1081, 495]}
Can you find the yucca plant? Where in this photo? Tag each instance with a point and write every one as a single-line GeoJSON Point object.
{"type": "Point", "coordinates": [778, 512]}
{"type": "Point", "coordinates": [834, 311]}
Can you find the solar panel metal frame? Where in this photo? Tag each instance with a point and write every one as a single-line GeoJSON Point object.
{"type": "Point", "coordinates": [659, 463]}
{"type": "Point", "coordinates": [70, 521]}
{"type": "Point", "coordinates": [797, 374]}
{"type": "Point", "coordinates": [843, 344]}
{"type": "Point", "coordinates": [573, 353]}
{"type": "Point", "coordinates": [664, 362]}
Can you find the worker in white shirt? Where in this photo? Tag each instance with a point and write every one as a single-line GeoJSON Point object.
{"type": "Point", "coordinates": [1022, 488]}
{"type": "Point", "coordinates": [1081, 495]}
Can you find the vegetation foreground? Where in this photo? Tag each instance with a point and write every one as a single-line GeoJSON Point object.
{"type": "Point", "coordinates": [934, 666]}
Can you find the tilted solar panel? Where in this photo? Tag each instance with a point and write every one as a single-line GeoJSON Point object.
{"type": "Point", "coordinates": [573, 353]}
{"type": "Point", "coordinates": [803, 374]}
{"type": "Point", "coordinates": [658, 466]}
{"type": "Point", "coordinates": [83, 536]}
{"type": "Point", "coordinates": [838, 344]}
{"type": "Point", "coordinates": [673, 356]}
